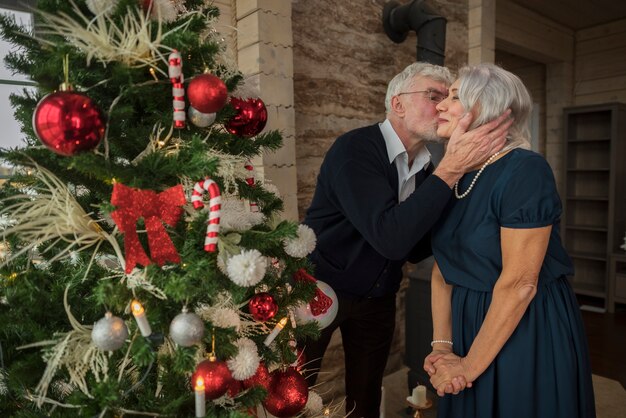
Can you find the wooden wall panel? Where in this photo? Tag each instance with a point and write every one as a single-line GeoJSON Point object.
{"type": "Point", "coordinates": [600, 69]}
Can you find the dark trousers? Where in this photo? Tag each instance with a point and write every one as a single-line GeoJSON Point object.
{"type": "Point", "coordinates": [367, 327]}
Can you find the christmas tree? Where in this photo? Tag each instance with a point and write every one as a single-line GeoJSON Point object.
{"type": "Point", "coordinates": [145, 270]}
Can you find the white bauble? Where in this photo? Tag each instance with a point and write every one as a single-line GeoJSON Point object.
{"type": "Point", "coordinates": [304, 314]}
{"type": "Point", "coordinates": [187, 329]}
{"type": "Point", "coordinates": [109, 333]}
{"type": "Point", "coordinates": [201, 120]}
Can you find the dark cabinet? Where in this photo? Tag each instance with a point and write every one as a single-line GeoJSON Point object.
{"type": "Point", "coordinates": [594, 193]}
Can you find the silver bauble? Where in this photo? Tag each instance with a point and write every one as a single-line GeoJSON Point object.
{"type": "Point", "coordinates": [201, 120]}
{"type": "Point", "coordinates": [187, 329]}
{"type": "Point", "coordinates": [109, 333]}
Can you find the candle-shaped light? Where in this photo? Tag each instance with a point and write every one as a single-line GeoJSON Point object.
{"type": "Point", "coordinates": [382, 402]}
{"type": "Point", "coordinates": [278, 328]}
{"type": "Point", "coordinates": [419, 395]}
{"type": "Point", "coordinates": [140, 316]}
{"type": "Point", "coordinates": [200, 400]}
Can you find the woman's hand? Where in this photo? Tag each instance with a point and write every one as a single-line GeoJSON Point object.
{"type": "Point", "coordinates": [430, 359]}
{"type": "Point", "coordinates": [452, 374]}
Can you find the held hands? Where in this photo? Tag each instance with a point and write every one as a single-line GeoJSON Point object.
{"type": "Point", "coordinates": [448, 372]}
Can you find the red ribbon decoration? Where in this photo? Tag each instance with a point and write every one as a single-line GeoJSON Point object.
{"type": "Point", "coordinates": [320, 302]}
{"type": "Point", "coordinates": [155, 208]}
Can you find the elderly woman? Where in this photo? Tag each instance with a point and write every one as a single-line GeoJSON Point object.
{"type": "Point", "coordinates": [508, 336]}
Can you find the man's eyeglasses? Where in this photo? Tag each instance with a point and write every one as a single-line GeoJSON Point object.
{"type": "Point", "coordinates": [432, 95]}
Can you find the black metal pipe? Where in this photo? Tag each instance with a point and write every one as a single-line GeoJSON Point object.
{"type": "Point", "coordinates": [416, 15]}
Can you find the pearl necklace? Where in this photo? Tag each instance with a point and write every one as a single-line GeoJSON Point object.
{"type": "Point", "coordinates": [456, 185]}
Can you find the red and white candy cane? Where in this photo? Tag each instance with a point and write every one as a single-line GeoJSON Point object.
{"type": "Point", "coordinates": [215, 206]}
{"type": "Point", "coordinates": [250, 180]}
{"type": "Point", "coordinates": [175, 70]}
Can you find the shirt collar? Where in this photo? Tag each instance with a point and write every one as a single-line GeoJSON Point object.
{"type": "Point", "coordinates": [395, 146]}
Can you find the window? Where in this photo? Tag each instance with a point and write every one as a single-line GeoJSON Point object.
{"type": "Point", "coordinates": [9, 82]}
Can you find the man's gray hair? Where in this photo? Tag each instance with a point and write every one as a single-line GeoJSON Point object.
{"type": "Point", "coordinates": [489, 90]}
{"type": "Point", "coordinates": [403, 82]}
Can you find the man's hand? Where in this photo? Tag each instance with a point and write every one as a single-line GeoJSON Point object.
{"type": "Point", "coordinates": [468, 149]}
{"type": "Point", "coordinates": [452, 374]}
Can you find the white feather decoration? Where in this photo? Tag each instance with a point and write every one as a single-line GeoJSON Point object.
{"type": "Point", "coordinates": [101, 6]}
{"type": "Point", "coordinates": [133, 43]}
{"type": "Point", "coordinates": [52, 214]}
{"type": "Point", "coordinates": [75, 352]}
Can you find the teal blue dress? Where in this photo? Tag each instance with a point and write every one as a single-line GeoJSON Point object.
{"type": "Point", "coordinates": [543, 370]}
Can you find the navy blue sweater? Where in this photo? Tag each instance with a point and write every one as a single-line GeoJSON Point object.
{"type": "Point", "coordinates": [364, 235]}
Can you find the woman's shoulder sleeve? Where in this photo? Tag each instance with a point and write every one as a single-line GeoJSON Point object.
{"type": "Point", "coordinates": [529, 198]}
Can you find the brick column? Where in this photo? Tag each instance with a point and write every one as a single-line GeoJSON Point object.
{"type": "Point", "coordinates": [265, 57]}
{"type": "Point", "coordinates": [481, 25]}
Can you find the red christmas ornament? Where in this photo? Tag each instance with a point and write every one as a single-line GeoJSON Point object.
{"type": "Point", "coordinates": [287, 394]}
{"type": "Point", "coordinates": [262, 306]}
{"type": "Point", "coordinates": [207, 93]}
{"type": "Point", "coordinates": [68, 123]}
{"type": "Point", "coordinates": [155, 208]}
{"type": "Point", "coordinates": [216, 375]}
{"type": "Point", "coordinates": [250, 118]}
{"type": "Point", "coordinates": [234, 388]}
{"type": "Point", "coordinates": [261, 378]}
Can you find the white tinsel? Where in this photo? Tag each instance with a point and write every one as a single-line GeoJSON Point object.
{"type": "Point", "coordinates": [236, 215]}
{"type": "Point", "coordinates": [303, 244]}
{"type": "Point", "coordinates": [246, 269]}
{"type": "Point", "coordinates": [4, 390]}
{"type": "Point", "coordinates": [225, 318]}
{"type": "Point", "coordinates": [62, 389]}
{"type": "Point", "coordinates": [101, 6]}
{"type": "Point", "coordinates": [246, 362]}
{"type": "Point", "coordinates": [314, 404]}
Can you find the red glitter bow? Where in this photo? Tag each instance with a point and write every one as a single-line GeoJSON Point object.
{"type": "Point", "coordinates": [155, 208]}
{"type": "Point", "coordinates": [320, 302]}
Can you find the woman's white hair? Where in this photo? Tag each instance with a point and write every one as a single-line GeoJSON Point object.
{"type": "Point", "coordinates": [488, 90]}
{"type": "Point", "coordinates": [403, 81]}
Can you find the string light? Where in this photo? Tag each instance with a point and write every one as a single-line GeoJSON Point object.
{"type": "Point", "coordinates": [140, 316]}
{"type": "Point", "coordinates": [200, 397]}
{"type": "Point", "coordinates": [278, 328]}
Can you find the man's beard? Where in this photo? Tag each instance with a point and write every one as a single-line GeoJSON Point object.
{"type": "Point", "coordinates": [436, 140]}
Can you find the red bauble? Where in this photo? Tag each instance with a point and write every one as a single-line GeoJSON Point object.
{"type": "Point", "coordinates": [68, 123]}
{"type": "Point", "coordinates": [287, 394]}
{"type": "Point", "coordinates": [262, 306]}
{"type": "Point", "coordinates": [250, 118]}
{"type": "Point", "coordinates": [261, 378]}
{"type": "Point", "coordinates": [234, 388]}
{"type": "Point", "coordinates": [207, 93]}
{"type": "Point", "coordinates": [216, 375]}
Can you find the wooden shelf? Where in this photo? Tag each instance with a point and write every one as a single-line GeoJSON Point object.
{"type": "Point", "coordinates": [594, 208]}
{"type": "Point", "coordinates": [585, 170]}
{"type": "Point", "coordinates": [598, 228]}
{"type": "Point", "coordinates": [583, 140]}
{"type": "Point", "coordinates": [589, 289]}
{"type": "Point", "coordinates": [588, 256]}
{"type": "Point", "coordinates": [595, 198]}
